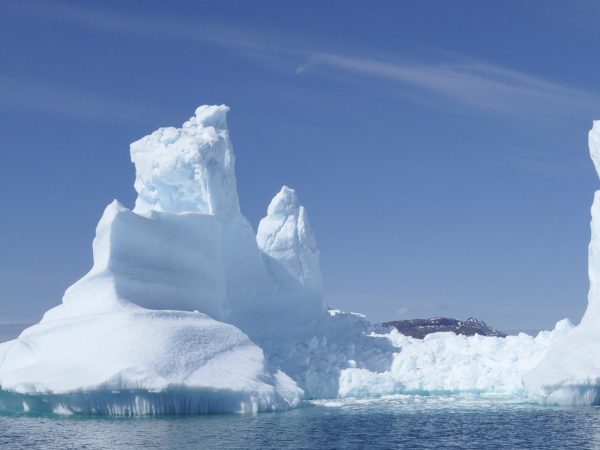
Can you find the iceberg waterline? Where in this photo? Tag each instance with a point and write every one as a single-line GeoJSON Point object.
{"type": "Point", "coordinates": [186, 310]}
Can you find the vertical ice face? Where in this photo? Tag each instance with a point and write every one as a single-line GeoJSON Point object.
{"type": "Point", "coordinates": [286, 236]}
{"type": "Point", "coordinates": [158, 261]}
{"type": "Point", "coordinates": [594, 143]}
{"type": "Point", "coordinates": [592, 313]}
{"type": "Point", "coordinates": [570, 371]}
{"type": "Point", "coordinates": [188, 169]}
{"type": "Point", "coordinates": [192, 170]}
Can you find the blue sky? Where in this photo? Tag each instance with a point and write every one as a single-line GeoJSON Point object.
{"type": "Point", "coordinates": [440, 148]}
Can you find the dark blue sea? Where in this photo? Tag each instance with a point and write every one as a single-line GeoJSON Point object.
{"type": "Point", "coordinates": [402, 422]}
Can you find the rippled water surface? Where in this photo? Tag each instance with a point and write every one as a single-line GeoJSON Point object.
{"type": "Point", "coordinates": [399, 422]}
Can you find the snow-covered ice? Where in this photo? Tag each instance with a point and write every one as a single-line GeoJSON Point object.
{"type": "Point", "coordinates": [186, 247]}
{"type": "Point", "coordinates": [127, 330]}
{"type": "Point", "coordinates": [446, 363]}
{"type": "Point", "coordinates": [186, 310]}
{"type": "Point", "coordinates": [136, 352]}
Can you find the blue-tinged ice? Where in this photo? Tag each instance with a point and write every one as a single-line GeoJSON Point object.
{"type": "Point", "coordinates": [186, 310]}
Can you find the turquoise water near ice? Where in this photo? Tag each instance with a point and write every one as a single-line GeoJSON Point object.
{"type": "Point", "coordinates": [395, 422]}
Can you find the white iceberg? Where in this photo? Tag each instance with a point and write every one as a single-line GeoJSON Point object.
{"type": "Point", "coordinates": [137, 361]}
{"type": "Point", "coordinates": [446, 363]}
{"type": "Point", "coordinates": [186, 310]}
{"type": "Point", "coordinates": [570, 372]}
{"type": "Point", "coordinates": [126, 338]}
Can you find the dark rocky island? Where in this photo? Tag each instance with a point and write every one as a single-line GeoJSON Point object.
{"type": "Point", "coordinates": [419, 328]}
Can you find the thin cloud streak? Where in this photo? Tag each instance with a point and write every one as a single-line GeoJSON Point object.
{"type": "Point", "coordinates": [475, 84]}
{"type": "Point", "coordinates": [482, 86]}
{"type": "Point", "coordinates": [122, 23]}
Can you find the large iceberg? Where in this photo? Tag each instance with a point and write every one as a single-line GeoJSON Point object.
{"type": "Point", "coordinates": [186, 310]}
{"type": "Point", "coordinates": [143, 331]}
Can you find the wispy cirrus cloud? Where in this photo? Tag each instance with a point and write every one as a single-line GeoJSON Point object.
{"type": "Point", "coordinates": [453, 82]}
{"type": "Point", "coordinates": [60, 98]}
{"type": "Point", "coordinates": [153, 28]}
{"type": "Point", "coordinates": [476, 84]}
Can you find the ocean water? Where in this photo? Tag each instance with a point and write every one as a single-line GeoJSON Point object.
{"type": "Point", "coordinates": [393, 422]}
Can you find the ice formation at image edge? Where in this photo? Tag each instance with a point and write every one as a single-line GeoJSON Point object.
{"type": "Point", "coordinates": [186, 310]}
{"type": "Point", "coordinates": [570, 372]}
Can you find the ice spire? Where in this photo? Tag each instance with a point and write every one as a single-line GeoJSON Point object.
{"type": "Point", "coordinates": [188, 169]}
{"type": "Point", "coordinates": [286, 236]}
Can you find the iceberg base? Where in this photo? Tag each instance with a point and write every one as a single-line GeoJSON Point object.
{"type": "Point", "coordinates": [140, 402]}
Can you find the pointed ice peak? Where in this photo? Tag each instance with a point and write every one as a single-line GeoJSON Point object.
{"type": "Point", "coordinates": [284, 203]}
{"type": "Point", "coordinates": [188, 169]}
{"type": "Point", "coordinates": [286, 236]}
{"type": "Point", "coordinates": [594, 143]}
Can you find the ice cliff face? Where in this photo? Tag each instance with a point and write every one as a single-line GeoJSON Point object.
{"type": "Point", "coordinates": [592, 313]}
{"type": "Point", "coordinates": [570, 372]}
{"type": "Point", "coordinates": [155, 261]}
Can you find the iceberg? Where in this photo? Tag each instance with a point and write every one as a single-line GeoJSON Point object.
{"type": "Point", "coordinates": [445, 363]}
{"type": "Point", "coordinates": [186, 310]}
{"type": "Point", "coordinates": [569, 374]}
{"type": "Point", "coordinates": [143, 332]}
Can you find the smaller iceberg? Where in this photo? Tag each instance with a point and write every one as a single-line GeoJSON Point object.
{"type": "Point", "coordinates": [445, 363]}
{"type": "Point", "coordinates": [570, 372]}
